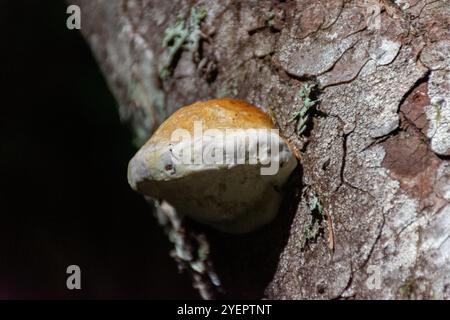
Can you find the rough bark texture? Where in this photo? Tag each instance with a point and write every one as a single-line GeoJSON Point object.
{"type": "Point", "coordinates": [376, 153]}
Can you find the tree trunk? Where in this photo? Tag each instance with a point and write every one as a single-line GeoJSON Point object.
{"type": "Point", "coordinates": [375, 154]}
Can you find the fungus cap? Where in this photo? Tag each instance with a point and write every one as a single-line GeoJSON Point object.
{"type": "Point", "coordinates": [221, 162]}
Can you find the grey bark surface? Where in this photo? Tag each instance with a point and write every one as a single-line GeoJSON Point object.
{"type": "Point", "coordinates": [375, 155]}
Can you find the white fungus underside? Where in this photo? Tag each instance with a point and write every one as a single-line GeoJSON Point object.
{"type": "Point", "coordinates": [231, 197]}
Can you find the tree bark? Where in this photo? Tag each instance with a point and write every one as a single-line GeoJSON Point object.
{"type": "Point", "coordinates": [375, 154]}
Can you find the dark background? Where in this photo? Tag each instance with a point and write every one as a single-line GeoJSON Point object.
{"type": "Point", "coordinates": [64, 197]}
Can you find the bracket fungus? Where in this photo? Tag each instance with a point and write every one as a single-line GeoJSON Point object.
{"type": "Point", "coordinates": [221, 162]}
